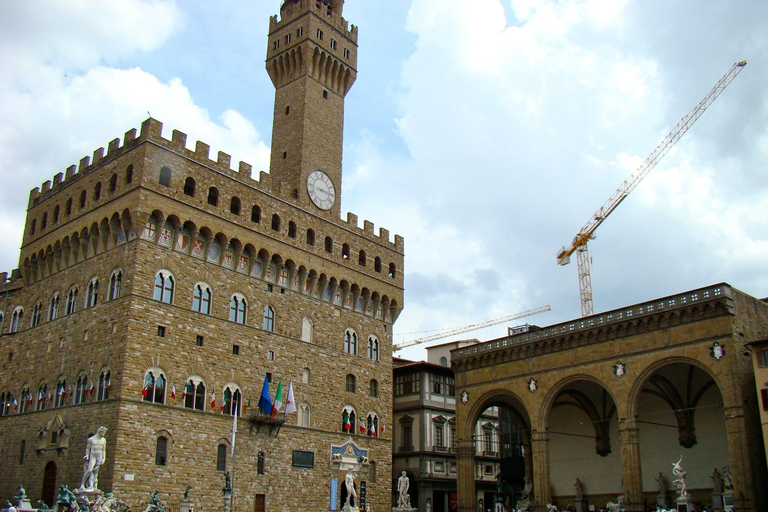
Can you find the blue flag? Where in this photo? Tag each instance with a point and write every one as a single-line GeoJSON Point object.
{"type": "Point", "coordinates": [265, 404]}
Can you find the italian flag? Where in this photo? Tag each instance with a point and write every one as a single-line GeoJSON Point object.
{"type": "Point", "coordinates": [347, 424]}
{"type": "Point", "coordinates": [277, 403]}
{"type": "Point", "coordinates": [173, 391]}
{"type": "Point", "coordinates": [246, 406]}
{"type": "Point", "coordinates": [361, 424]}
{"type": "Point", "coordinates": [213, 399]}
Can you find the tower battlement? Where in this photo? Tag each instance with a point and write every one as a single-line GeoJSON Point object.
{"type": "Point", "coordinates": [331, 13]}
{"type": "Point", "coordinates": [152, 132]}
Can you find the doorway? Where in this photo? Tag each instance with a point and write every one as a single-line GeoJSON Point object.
{"type": "Point", "coordinates": [49, 484]}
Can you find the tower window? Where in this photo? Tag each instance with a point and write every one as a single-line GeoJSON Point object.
{"type": "Point", "coordinates": [347, 53]}
{"type": "Point", "coordinates": [213, 196]}
{"type": "Point", "coordinates": [299, 31]}
{"type": "Point", "coordinates": [276, 44]}
{"type": "Point", "coordinates": [292, 229]}
{"type": "Point", "coordinates": [320, 34]}
{"type": "Point", "coordinates": [129, 174]}
{"type": "Point", "coordinates": [325, 94]}
{"type": "Point", "coordinates": [234, 206]}
{"type": "Point", "coordinates": [82, 199]}
{"type": "Point", "coordinates": [68, 207]}
{"type": "Point", "coordinates": [113, 183]}
{"type": "Point", "coordinates": [329, 245]}
{"type": "Point", "coordinates": [56, 214]}
{"type": "Point", "coordinates": [287, 109]}
{"type": "Point", "coordinates": [165, 177]}
{"type": "Point", "coordinates": [97, 192]}
{"type": "Point", "coordinates": [287, 38]}
{"type": "Point", "coordinates": [256, 214]}
{"type": "Point", "coordinates": [285, 155]}
{"type": "Point", "coordinates": [275, 222]}
{"type": "Point", "coordinates": [310, 237]}
{"type": "Point", "coordinates": [189, 187]}
{"type": "Point", "coordinates": [333, 44]}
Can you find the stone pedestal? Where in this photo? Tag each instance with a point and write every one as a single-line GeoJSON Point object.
{"type": "Point", "coordinates": [684, 504]}
{"type": "Point", "coordinates": [717, 500]}
{"type": "Point", "coordinates": [661, 501]}
{"type": "Point", "coordinates": [727, 500]}
{"type": "Point", "coordinates": [91, 495]}
{"type": "Point", "coordinates": [187, 506]}
{"type": "Point", "coordinates": [24, 505]}
{"type": "Point", "coordinates": [580, 504]}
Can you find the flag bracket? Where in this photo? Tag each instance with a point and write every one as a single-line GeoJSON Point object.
{"type": "Point", "coordinates": [259, 418]}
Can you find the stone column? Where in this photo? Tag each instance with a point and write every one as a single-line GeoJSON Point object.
{"type": "Point", "coordinates": [465, 478]}
{"type": "Point", "coordinates": [631, 474]}
{"type": "Point", "coordinates": [740, 462]}
{"type": "Point", "coordinates": [542, 490]}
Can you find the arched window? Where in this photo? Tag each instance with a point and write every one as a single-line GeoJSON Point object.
{"type": "Point", "coordinates": [154, 387]}
{"type": "Point", "coordinates": [221, 457]}
{"type": "Point", "coordinates": [373, 388]}
{"type": "Point", "coordinates": [16, 318]}
{"type": "Point", "coordinates": [165, 177]}
{"type": "Point", "coordinates": [361, 258]}
{"type": "Point", "coordinates": [350, 383]}
{"type": "Point", "coordinates": [232, 398]}
{"type": "Point", "coordinates": [201, 299]}
{"type": "Point", "coordinates": [81, 389]}
{"type": "Point", "coordinates": [82, 199]}
{"type": "Point", "coordinates": [234, 206]}
{"type": "Point", "coordinates": [33, 226]}
{"type": "Point", "coordinates": [43, 395]}
{"type": "Point", "coordinates": [260, 464]}
{"type": "Point", "coordinates": [72, 301]}
{"type": "Point", "coordinates": [329, 245]}
{"type": "Point", "coordinates": [275, 222]}
{"type": "Point", "coordinates": [6, 401]}
{"type": "Point", "coordinates": [129, 175]}
{"type": "Point", "coordinates": [256, 214]}
{"type": "Point", "coordinates": [238, 308]}
{"type": "Point", "coordinates": [44, 221]}
{"type": "Point", "coordinates": [310, 237]}
{"type": "Point", "coordinates": [97, 192]}
{"type": "Point", "coordinates": [93, 293]}
{"type": "Point", "coordinates": [392, 270]}
{"type": "Point", "coordinates": [306, 329]}
{"type": "Point", "coordinates": [115, 283]}
{"type": "Point", "coordinates": [53, 307]}
{"type": "Point", "coordinates": [350, 341]}
{"type": "Point", "coordinates": [26, 400]}
{"type": "Point", "coordinates": [373, 348]}
{"type": "Point", "coordinates": [56, 211]}
{"type": "Point", "coordinates": [292, 229]}
{"type": "Point", "coordinates": [105, 385]}
{"type": "Point", "coordinates": [113, 184]}
{"type": "Point", "coordinates": [194, 394]}
{"type": "Point", "coordinates": [189, 187]}
{"type": "Point", "coordinates": [348, 420]}
{"type": "Point", "coordinates": [164, 287]}
{"type": "Point", "coordinates": [161, 451]}
{"type": "Point", "coordinates": [269, 319]}
{"type": "Point", "coordinates": [213, 196]}
{"type": "Point", "coordinates": [37, 314]}
{"type": "Point", "coordinates": [305, 375]}
{"type": "Point", "coordinates": [68, 207]}
{"type": "Point", "coordinates": [372, 425]}
{"type": "Point", "coordinates": [304, 415]}
{"type": "Point", "coordinates": [345, 251]}
{"type": "Point", "coordinates": [61, 393]}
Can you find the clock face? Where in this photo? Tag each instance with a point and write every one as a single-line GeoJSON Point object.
{"type": "Point", "coordinates": [321, 190]}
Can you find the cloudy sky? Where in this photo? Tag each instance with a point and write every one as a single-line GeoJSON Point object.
{"type": "Point", "coordinates": [486, 132]}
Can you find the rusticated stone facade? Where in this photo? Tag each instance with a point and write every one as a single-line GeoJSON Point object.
{"type": "Point", "coordinates": [151, 270]}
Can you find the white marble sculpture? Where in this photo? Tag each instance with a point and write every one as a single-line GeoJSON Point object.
{"type": "Point", "coordinates": [679, 481]}
{"type": "Point", "coordinates": [95, 453]}
{"type": "Point", "coordinates": [349, 485]}
{"type": "Point", "coordinates": [403, 484]}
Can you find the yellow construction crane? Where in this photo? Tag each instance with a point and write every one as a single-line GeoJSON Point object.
{"type": "Point", "coordinates": [579, 244]}
{"type": "Point", "coordinates": [467, 328]}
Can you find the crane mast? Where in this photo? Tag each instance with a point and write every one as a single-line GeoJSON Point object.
{"type": "Point", "coordinates": [473, 327]}
{"type": "Point", "coordinates": [586, 233]}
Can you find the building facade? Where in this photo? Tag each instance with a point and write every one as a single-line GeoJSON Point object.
{"type": "Point", "coordinates": [760, 364]}
{"type": "Point", "coordinates": [607, 403]}
{"type": "Point", "coordinates": [159, 288]}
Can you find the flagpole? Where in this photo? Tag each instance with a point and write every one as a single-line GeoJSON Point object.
{"type": "Point", "coordinates": [234, 432]}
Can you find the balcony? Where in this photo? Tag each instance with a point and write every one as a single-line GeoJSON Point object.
{"type": "Point", "coordinates": [258, 418]}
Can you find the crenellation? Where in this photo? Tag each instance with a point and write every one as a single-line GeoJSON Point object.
{"type": "Point", "coordinates": [130, 136]}
{"type": "Point", "coordinates": [384, 234]}
{"type": "Point", "coordinates": [98, 156]}
{"type": "Point", "coordinates": [368, 227]}
{"type": "Point", "coordinates": [113, 146]}
{"type": "Point", "coordinates": [265, 179]}
{"type": "Point", "coordinates": [399, 243]}
{"type": "Point", "coordinates": [352, 219]}
{"type": "Point", "coordinates": [245, 169]}
{"type": "Point", "coordinates": [290, 11]}
{"type": "Point", "coordinates": [85, 162]}
{"type": "Point", "coordinates": [57, 179]}
{"type": "Point", "coordinates": [71, 170]}
{"type": "Point", "coordinates": [202, 149]}
{"type": "Point", "coordinates": [46, 187]}
{"type": "Point", "coordinates": [224, 160]}
{"type": "Point", "coordinates": [179, 139]}
{"type": "Point", "coordinates": [151, 129]}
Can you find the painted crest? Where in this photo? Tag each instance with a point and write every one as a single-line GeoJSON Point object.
{"type": "Point", "coordinates": [620, 369]}
{"type": "Point", "coordinates": [717, 351]}
{"type": "Point", "coordinates": [533, 385]}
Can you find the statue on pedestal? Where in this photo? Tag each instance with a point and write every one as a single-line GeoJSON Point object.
{"type": "Point", "coordinates": [579, 489]}
{"type": "Point", "coordinates": [403, 484]}
{"type": "Point", "coordinates": [349, 485]}
{"type": "Point", "coordinates": [95, 453]}
{"type": "Point", "coordinates": [679, 482]}
{"type": "Point", "coordinates": [717, 482]}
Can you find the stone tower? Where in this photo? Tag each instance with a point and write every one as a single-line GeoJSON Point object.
{"type": "Point", "coordinates": [312, 61]}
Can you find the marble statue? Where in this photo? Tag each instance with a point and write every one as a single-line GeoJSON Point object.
{"type": "Point", "coordinates": [155, 505]}
{"type": "Point", "coordinates": [579, 489]}
{"type": "Point", "coordinates": [679, 481]}
{"type": "Point", "coordinates": [717, 482]}
{"type": "Point", "coordinates": [95, 453]}
{"type": "Point", "coordinates": [22, 493]}
{"type": "Point", "coordinates": [349, 485]}
{"type": "Point", "coordinates": [727, 479]}
{"type": "Point", "coordinates": [187, 492]}
{"type": "Point", "coordinates": [662, 484]}
{"type": "Point", "coordinates": [526, 496]}
{"type": "Point", "coordinates": [403, 484]}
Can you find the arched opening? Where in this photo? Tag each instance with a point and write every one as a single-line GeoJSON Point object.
{"type": "Point", "coordinates": [49, 484]}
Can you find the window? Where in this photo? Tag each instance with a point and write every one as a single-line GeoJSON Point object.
{"type": "Point", "coordinates": [161, 451]}
{"type": "Point", "coordinates": [93, 293]}
{"type": "Point", "coordinates": [72, 301]}
{"type": "Point", "coordinates": [270, 355]}
{"type": "Point", "coordinates": [43, 395]}
{"type": "Point", "coordinates": [161, 331]}
{"type": "Point", "coordinates": [37, 313]}
{"type": "Point", "coordinates": [237, 309]}
{"type": "Point", "coordinates": [392, 270]}
{"type": "Point", "coordinates": [97, 192]}
{"type": "Point", "coordinates": [232, 399]}
{"type": "Point", "coordinates": [213, 196]}
{"type": "Point", "coordinates": [350, 341]}
{"type": "Point", "coordinates": [154, 387]}
{"type": "Point", "coordinates": [68, 207]}
{"type": "Point", "coordinates": [26, 399]}
{"type": "Point", "coordinates": [373, 348]}
{"type": "Point", "coordinates": [442, 384]}
{"type": "Point", "coordinates": [361, 258]}
{"type": "Point", "coordinates": [81, 389]}
{"type": "Point", "coordinates": [61, 393]}
{"type": "Point", "coordinates": [16, 318]}
{"type": "Point", "coordinates": [105, 385]}
{"type": "Point", "coordinates": [194, 394]}
{"type": "Point", "coordinates": [260, 464]}
{"type": "Point", "coordinates": [345, 251]}
{"type": "Point", "coordinates": [221, 457]}
{"type": "Point", "coordinates": [347, 53]}
{"type": "Point", "coordinates": [287, 38]}
{"type": "Point", "coordinates": [373, 388]}
{"type": "Point", "coordinates": [164, 287]}
{"type": "Point", "coordinates": [112, 184]}
{"type": "Point", "coordinates": [408, 384]}
{"type": "Point", "coordinates": [764, 358]}
{"type": "Point", "coordinates": [350, 383]}
{"type": "Point", "coordinates": [325, 94]}
{"type": "Point", "coordinates": [189, 187]}
{"type": "Point", "coordinates": [292, 229]}
{"type": "Point", "coordinates": [310, 237]}
{"type": "Point", "coordinates": [56, 211]}
{"type": "Point", "coordinates": [348, 420]}
{"type": "Point", "coordinates": [306, 329]}
{"type": "Point", "coordinates": [305, 375]}
{"type": "Point", "coordinates": [440, 434]}
{"type": "Point", "coordinates": [165, 177]}
{"type": "Point", "coordinates": [6, 401]}
{"type": "Point", "coordinates": [372, 425]}
{"type": "Point", "coordinates": [33, 226]}
{"type": "Point", "coordinates": [299, 31]}
{"type": "Point", "coordinates": [334, 45]}
{"type": "Point", "coordinates": [115, 283]}
{"type": "Point", "coordinates": [201, 299]}
{"type": "Point", "coordinates": [443, 361]}
{"type": "Point", "coordinates": [320, 34]}
{"type": "Point", "coordinates": [764, 397]}
{"type": "Point", "coordinates": [329, 245]}
{"type": "Point", "coordinates": [304, 415]}
{"type": "Point", "coordinates": [234, 206]}
{"type": "Point", "coordinates": [53, 307]}
{"type": "Point", "coordinates": [82, 199]}
{"type": "Point", "coordinates": [256, 215]}
{"type": "Point", "coordinates": [275, 222]}
{"type": "Point", "coordinates": [287, 109]}
{"type": "Point", "coordinates": [407, 434]}
{"type": "Point", "coordinates": [276, 44]}
{"type": "Point", "coordinates": [235, 350]}
{"type": "Point", "coordinates": [129, 175]}
{"type": "Point", "coordinates": [199, 341]}
{"type": "Point", "coordinates": [269, 319]}
{"type": "Point", "coordinates": [44, 221]}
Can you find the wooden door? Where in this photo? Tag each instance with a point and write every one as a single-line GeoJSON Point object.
{"type": "Point", "coordinates": [49, 484]}
{"type": "Point", "coordinates": [260, 503]}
